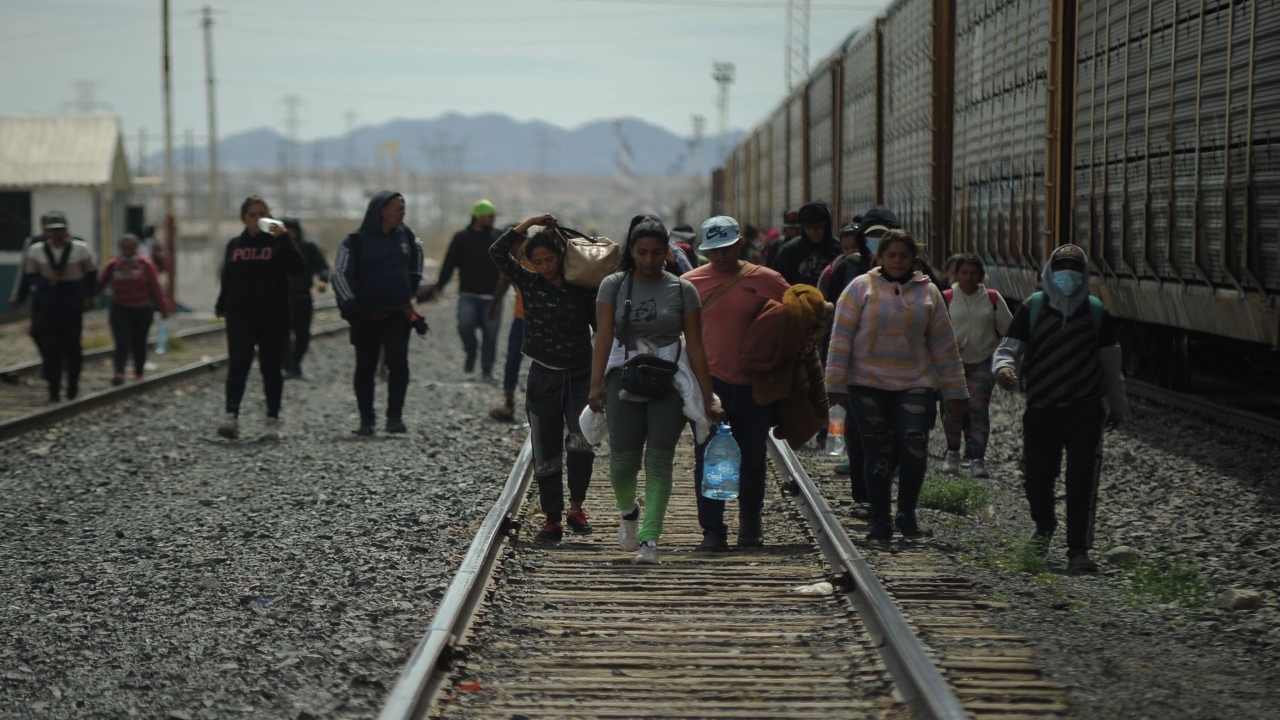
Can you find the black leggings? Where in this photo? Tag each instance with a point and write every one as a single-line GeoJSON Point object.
{"type": "Point", "coordinates": [554, 399]}
{"type": "Point", "coordinates": [302, 309]}
{"type": "Point", "coordinates": [388, 337]}
{"type": "Point", "coordinates": [269, 332]}
{"type": "Point", "coordinates": [58, 335]}
{"type": "Point", "coordinates": [129, 328]}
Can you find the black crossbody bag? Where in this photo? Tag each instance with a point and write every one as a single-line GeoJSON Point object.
{"type": "Point", "coordinates": [647, 375]}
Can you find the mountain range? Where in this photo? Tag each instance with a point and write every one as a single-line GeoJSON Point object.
{"type": "Point", "coordinates": [485, 144]}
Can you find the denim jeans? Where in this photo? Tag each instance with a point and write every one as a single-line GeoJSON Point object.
{"type": "Point", "coordinates": [473, 316]}
{"type": "Point", "coordinates": [750, 424]}
{"type": "Point", "coordinates": [894, 425]}
{"type": "Point", "coordinates": [515, 348]}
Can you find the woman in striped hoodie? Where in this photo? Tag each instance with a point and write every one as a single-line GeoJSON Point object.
{"type": "Point", "coordinates": [892, 349]}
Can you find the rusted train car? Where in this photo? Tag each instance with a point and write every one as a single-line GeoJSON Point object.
{"type": "Point", "coordinates": [1147, 131]}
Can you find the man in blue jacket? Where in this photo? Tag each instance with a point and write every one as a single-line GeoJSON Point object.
{"type": "Point", "coordinates": [375, 275]}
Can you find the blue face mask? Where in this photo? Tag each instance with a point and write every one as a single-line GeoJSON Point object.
{"type": "Point", "coordinates": [873, 245]}
{"type": "Point", "coordinates": [1068, 280]}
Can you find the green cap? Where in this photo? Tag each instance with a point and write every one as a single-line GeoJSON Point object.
{"type": "Point", "coordinates": [483, 209]}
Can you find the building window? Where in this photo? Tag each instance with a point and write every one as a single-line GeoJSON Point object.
{"type": "Point", "coordinates": [15, 220]}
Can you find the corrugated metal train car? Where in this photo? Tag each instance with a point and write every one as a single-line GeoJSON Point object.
{"type": "Point", "coordinates": [1144, 131]}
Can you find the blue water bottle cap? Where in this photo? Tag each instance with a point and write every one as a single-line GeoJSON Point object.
{"type": "Point", "coordinates": [724, 429]}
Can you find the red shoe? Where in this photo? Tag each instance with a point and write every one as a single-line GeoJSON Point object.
{"type": "Point", "coordinates": [551, 532]}
{"type": "Point", "coordinates": [577, 521]}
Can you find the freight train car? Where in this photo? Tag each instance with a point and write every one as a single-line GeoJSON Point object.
{"type": "Point", "coordinates": [1144, 131]}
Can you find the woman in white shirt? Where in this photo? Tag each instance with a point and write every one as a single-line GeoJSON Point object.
{"type": "Point", "coordinates": [980, 318]}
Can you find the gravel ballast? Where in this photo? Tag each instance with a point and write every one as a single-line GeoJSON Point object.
{"type": "Point", "coordinates": [153, 570]}
{"type": "Point", "coordinates": [1175, 490]}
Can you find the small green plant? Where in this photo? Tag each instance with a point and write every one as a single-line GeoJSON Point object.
{"type": "Point", "coordinates": [1029, 556]}
{"type": "Point", "coordinates": [175, 344]}
{"type": "Point", "coordinates": [97, 340]}
{"type": "Point", "coordinates": [1168, 582]}
{"type": "Point", "coordinates": [959, 497]}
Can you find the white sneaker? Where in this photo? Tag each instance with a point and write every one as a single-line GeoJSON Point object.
{"type": "Point", "coordinates": [628, 531]}
{"type": "Point", "coordinates": [648, 554]}
{"type": "Point", "coordinates": [951, 465]}
{"type": "Point", "coordinates": [271, 430]}
{"type": "Point", "coordinates": [978, 469]}
{"type": "Point", "coordinates": [229, 427]}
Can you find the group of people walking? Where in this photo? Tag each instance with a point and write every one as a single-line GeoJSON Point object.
{"type": "Point", "coordinates": [902, 340]}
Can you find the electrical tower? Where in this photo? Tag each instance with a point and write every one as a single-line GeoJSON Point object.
{"type": "Point", "coordinates": [211, 99]}
{"type": "Point", "coordinates": [695, 145]}
{"type": "Point", "coordinates": [723, 74]}
{"type": "Point", "coordinates": [85, 101]}
{"type": "Point", "coordinates": [797, 51]}
{"type": "Point", "coordinates": [446, 162]}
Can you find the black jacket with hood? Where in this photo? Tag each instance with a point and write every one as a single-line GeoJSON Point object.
{"type": "Point", "coordinates": [801, 261]}
{"type": "Point", "coordinates": [377, 271]}
{"type": "Point", "coordinates": [255, 274]}
{"type": "Point", "coordinates": [469, 254]}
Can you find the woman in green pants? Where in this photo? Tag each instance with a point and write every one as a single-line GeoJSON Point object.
{"type": "Point", "coordinates": [645, 309]}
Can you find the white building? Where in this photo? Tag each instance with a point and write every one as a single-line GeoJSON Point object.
{"type": "Point", "coordinates": [72, 163]}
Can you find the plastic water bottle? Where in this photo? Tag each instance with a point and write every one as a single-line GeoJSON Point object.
{"type": "Point", "coordinates": [162, 336]}
{"type": "Point", "coordinates": [835, 431]}
{"type": "Point", "coordinates": [721, 466]}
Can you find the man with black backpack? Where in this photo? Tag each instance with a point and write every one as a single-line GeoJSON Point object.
{"type": "Point", "coordinates": [375, 274]}
{"type": "Point", "coordinates": [1070, 362]}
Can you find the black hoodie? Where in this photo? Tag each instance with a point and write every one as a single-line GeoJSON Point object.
{"type": "Point", "coordinates": [469, 254]}
{"type": "Point", "coordinates": [255, 274]}
{"type": "Point", "coordinates": [374, 270]}
{"type": "Point", "coordinates": [801, 261]}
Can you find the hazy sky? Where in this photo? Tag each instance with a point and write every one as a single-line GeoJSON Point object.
{"type": "Point", "coordinates": [564, 61]}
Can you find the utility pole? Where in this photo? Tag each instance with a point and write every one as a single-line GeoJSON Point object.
{"type": "Point", "coordinates": [189, 170]}
{"type": "Point", "coordinates": [291, 103]}
{"type": "Point", "coordinates": [723, 74]}
{"type": "Point", "coordinates": [797, 50]}
{"type": "Point", "coordinates": [350, 161]}
{"type": "Point", "coordinates": [207, 23]}
{"type": "Point", "coordinates": [142, 152]}
{"type": "Point", "coordinates": [170, 228]}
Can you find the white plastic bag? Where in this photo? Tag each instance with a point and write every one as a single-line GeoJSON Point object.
{"type": "Point", "coordinates": [594, 427]}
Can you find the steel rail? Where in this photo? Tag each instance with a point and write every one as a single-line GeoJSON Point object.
{"type": "Point", "coordinates": [915, 676]}
{"type": "Point", "coordinates": [14, 427]}
{"type": "Point", "coordinates": [31, 366]}
{"type": "Point", "coordinates": [1206, 408]}
{"type": "Point", "coordinates": [422, 677]}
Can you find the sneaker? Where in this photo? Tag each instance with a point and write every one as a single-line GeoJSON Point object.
{"type": "Point", "coordinates": [647, 554]}
{"type": "Point", "coordinates": [271, 430]}
{"type": "Point", "coordinates": [55, 396]}
{"type": "Point", "coordinates": [978, 469]}
{"type": "Point", "coordinates": [117, 379]}
{"type": "Point", "coordinates": [551, 532]}
{"type": "Point", "coordinates": [578, 523]}
{"type": "Point", "coordinates": [628, 530]}
{"type": "Point", "coordinates": [72, 391]}
{"type": "Point", "coordinates": [908, 525]}
{"type": "Point", "coordinates": [713, 541]}
{"type": "Point", "coordinates": [470, 364]}
{"type": "Point", "coordinates": [396, 425]}
{"type": "Point", "coordinates": [1081, 563]}
{"type": "Point", "coordinates": [137, 378]}
{"type": "Point", "coordinates": [861, 511]}
{"type": "Point", "coordinates": [843, 468]}
{"type": "Point", "coordinates": [882, 532]}
{"type": "Point", "coordinates": [366, 428]}
{"type": "Point", "coordinates": [291, 374]}
{"type": "Point", "coordinates": [229, 427]}
{"type": "Point", "coordinates": [505, 413]}
{"type": "Point", "coordinates": [951, 464]}
{"type": "Point", "coordinates": [750, 534]}
{"type": "Point", "coordinates": [487, 375]}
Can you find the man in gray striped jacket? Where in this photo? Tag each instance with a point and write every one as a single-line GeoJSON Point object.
{"type": "Point", "coordinates": [1070, 366]}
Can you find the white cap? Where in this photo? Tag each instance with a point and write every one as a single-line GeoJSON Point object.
{"type": "Point", "coordinates": [720, 231]}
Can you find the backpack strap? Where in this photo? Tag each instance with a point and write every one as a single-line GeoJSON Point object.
{"type": "Point", "coordinates": [946, 296]}
{"type": "Point", "coordinates": [1035, 307]}
{"type": "Point", "coordinates": [1098, 310]}
{"type": "Point", "coordinates": [994, 297]}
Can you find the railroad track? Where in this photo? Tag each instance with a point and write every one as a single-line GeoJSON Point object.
{"type": "Point", "coordinates": [576, 630]}
{"type": "Point", "coordinates": [1204, 407]}
{"type": "Point", "coordinates": [24, 404]}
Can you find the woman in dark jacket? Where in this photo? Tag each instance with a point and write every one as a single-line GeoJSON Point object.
{"type": "Point", "coordinates": [558, 320]}
{"type": "Point", "coordinates": [254, 299]}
